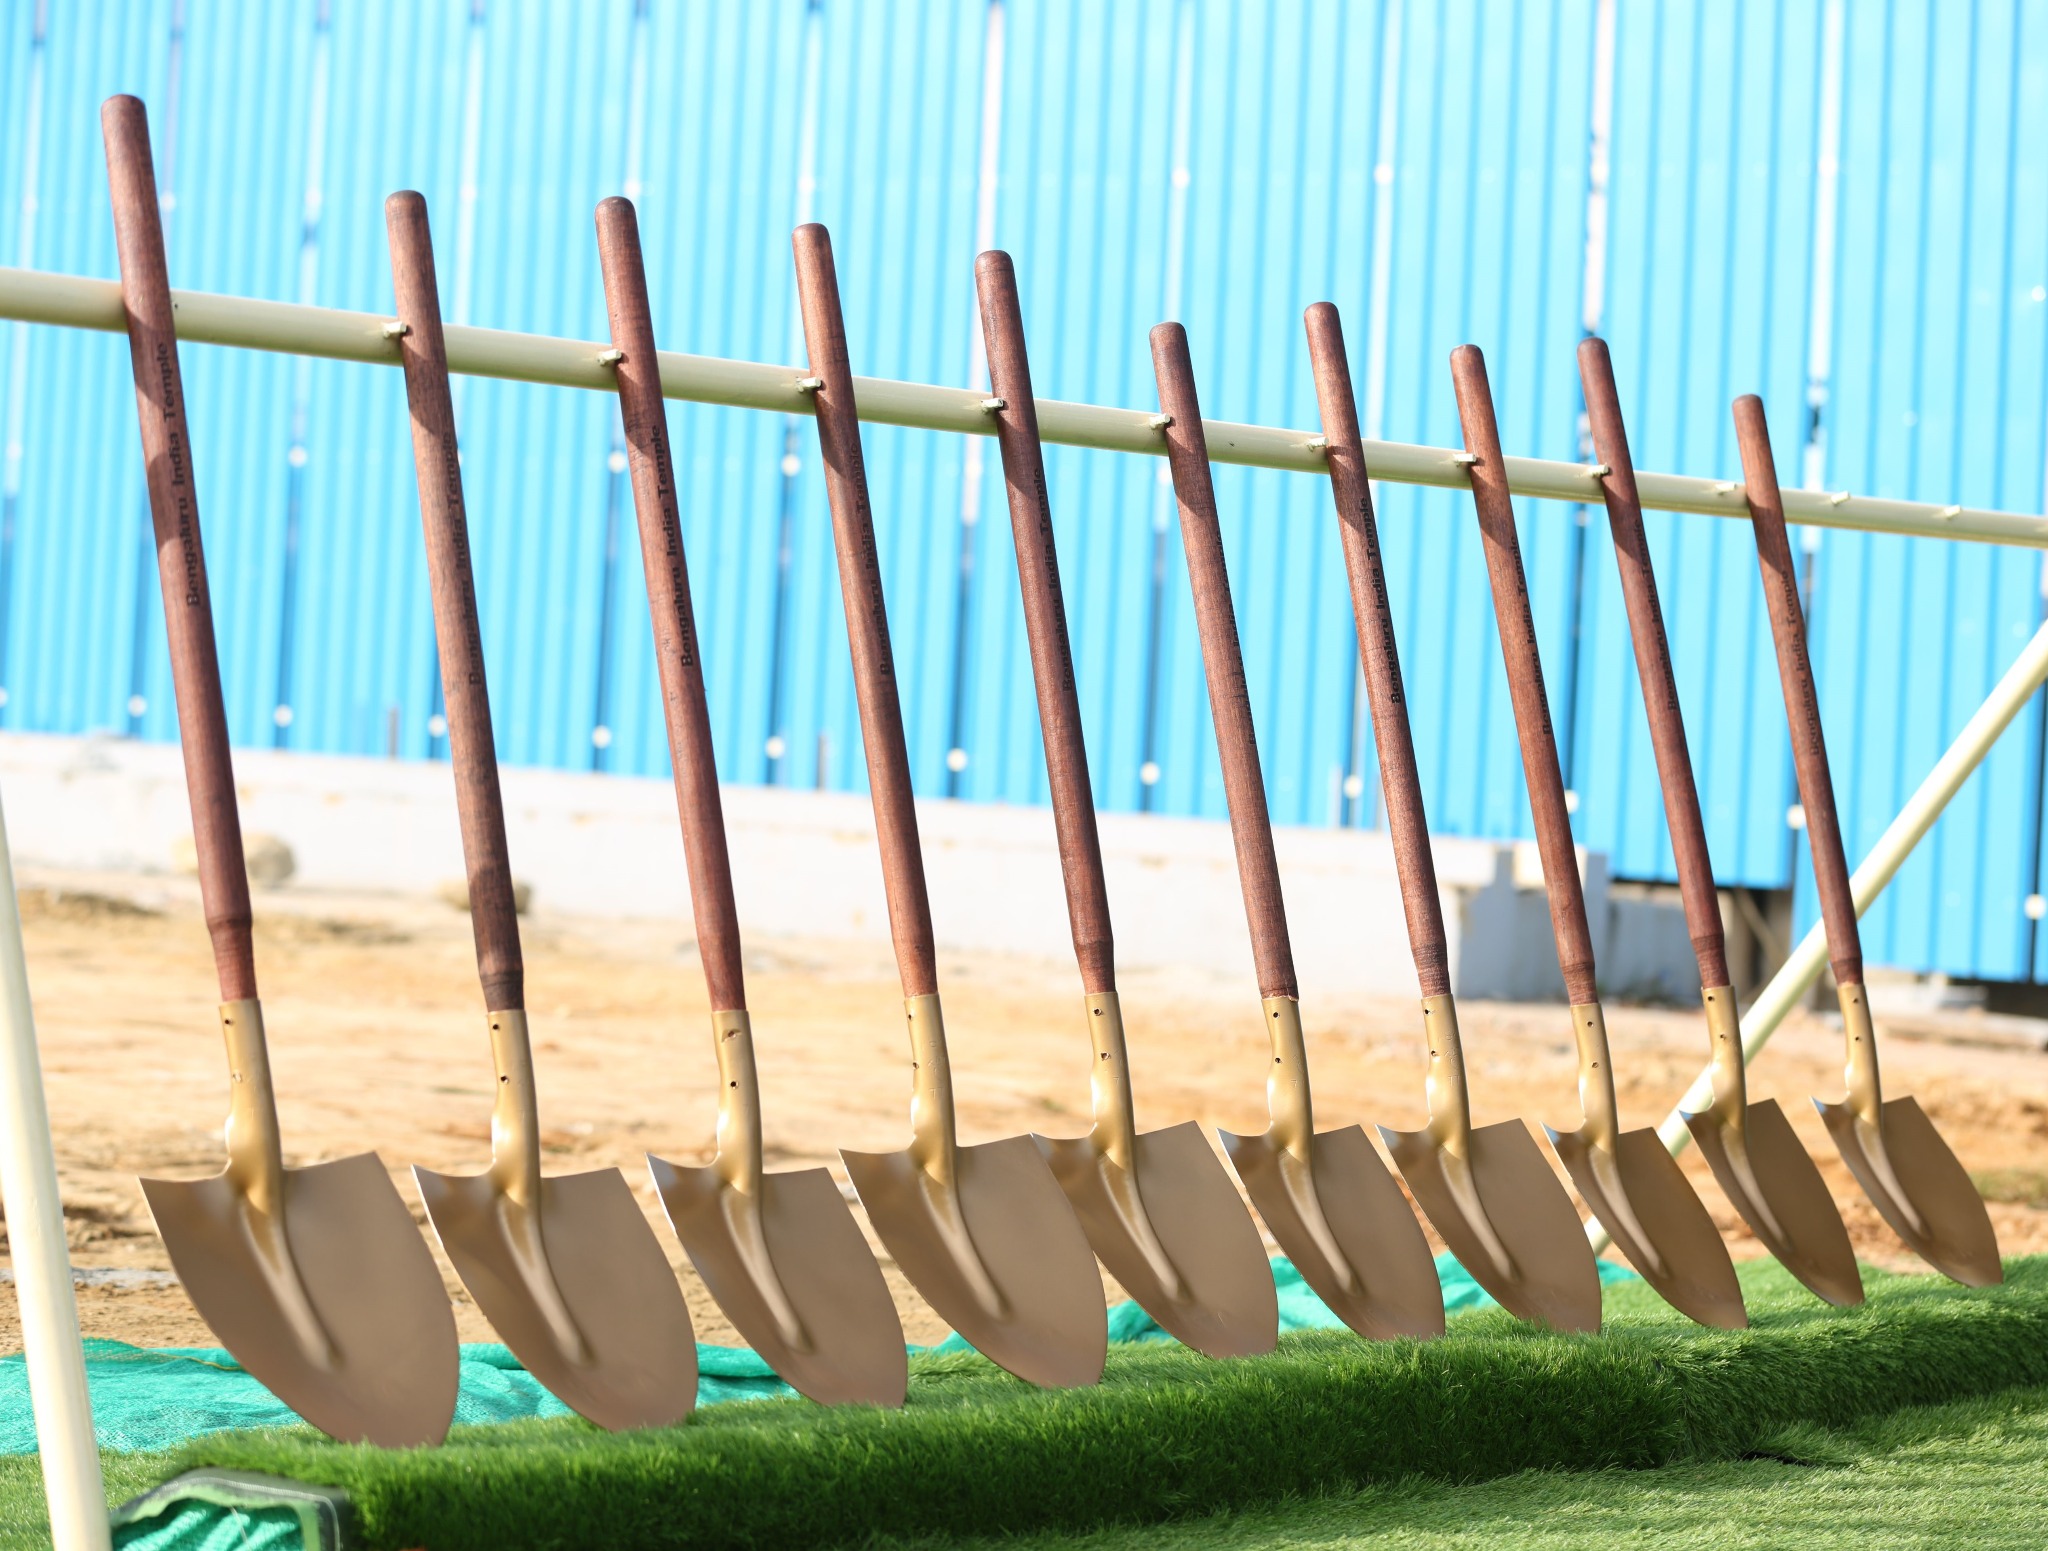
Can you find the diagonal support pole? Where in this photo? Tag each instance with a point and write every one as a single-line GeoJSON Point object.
{"type": "Point", "coordinates": [1798, 973]}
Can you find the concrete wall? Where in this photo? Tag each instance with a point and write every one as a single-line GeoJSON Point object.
{"type": "Point", "coordinates": [805, 865]}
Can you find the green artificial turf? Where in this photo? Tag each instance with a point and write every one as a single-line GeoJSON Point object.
{"type": "Point", "coordinates": [1169, 1435]}
{"type": "Point", "coordinates": [24, 1517]}
{"type": "Point", "coordinates": [1973, 1473]}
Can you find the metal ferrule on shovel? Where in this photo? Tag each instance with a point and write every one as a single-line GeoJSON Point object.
{"type": "Point", "coordinates": [935, 1150]}
{"type": "Point", "coordinates": [1114, 1140]}
{"type": "Point", "coordinates": [1284, 1156]}
{"type": "Point", "coordinates": [740, 1173]}
{"type": "Point", "coordinates": [256, 1179]}
{"type": "Point", "coordinates": [1766, 1174]}
{"type": "Point", "coordinates": [515, 1185]}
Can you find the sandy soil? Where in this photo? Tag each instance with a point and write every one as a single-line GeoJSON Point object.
{"type": "Point", "coordinates": [378, 1043]}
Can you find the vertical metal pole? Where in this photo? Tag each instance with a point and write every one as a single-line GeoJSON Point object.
{"type": "Point", "coordinates": [17, 345]}
{"type": "Point", "coordinates": [777, 745]}
{"type": "Point", "coordinates": [986, 185]}
{"type": "Point", "coordinates": [469, 158]}
{"type": "Point", "coordinates": [1592, 313]}
{"type": "Point", "coordinates": [1819, 360]}
{"type": "Point", "coordinates": [2037, 787]}
{"type": "Point", "coordinates": [615, 453]}
{"type": "Point", "coordinates": [1178, 179]}
{"type": "Point", "coordinates": [1379, 293]}
{"type": "Point", "coordinates": [296, 455]}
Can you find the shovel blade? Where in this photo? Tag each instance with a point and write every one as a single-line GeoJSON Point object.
{"type": "Point", "coordinates": [850, 1348]}
{"type": "Point", "coordinates": [1955, 1235]}
{"type": "Point", "coordinates": [639, 1364]}
{"type": "Point", "coordinates": [1048, 1324]}
{"type": "Point", "coordinates": [392, 1368]}
{"type": "Point", "coordinates": [1550, 1278]}
{"type": "Point", "coordinates": [1225, 1305]}
{"type": "Point", "coordinates": [1680, 1253]}
{"type": "Point", "coordinates": [1392, 1288]}
{"type": "Point", "coordinates": [1782, 1199]}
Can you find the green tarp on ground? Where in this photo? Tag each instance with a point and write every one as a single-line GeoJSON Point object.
{"type": "Point", "coordinates": [144, 1400]}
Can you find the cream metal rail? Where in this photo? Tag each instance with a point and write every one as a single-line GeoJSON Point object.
{"type": "Point", "coordinates": [74, 301]}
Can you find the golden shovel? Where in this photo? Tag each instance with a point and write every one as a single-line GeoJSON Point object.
{"type": "Point", "coordinates": [1488, 1192]}
{"type": "Point", "coordinates": [1156, 1205]}
{"type": "Point", "coordinates": [983, 1232]}
{"type": "Point", "coordinates": [1757, 1161]}
{"type": "Point", "coordinates": [566, 1269]}
{"type": "Point", "coordinates": [780, 1252]}
{"type": "Point", "coordinates": [1329, 1201]}
{"type": "Point", "coordinates": [315, 1278]}
{"type": "Point", "coordinates": [1633, 1186]}
{"type": "Point", "coordinates": [1909, 1173]}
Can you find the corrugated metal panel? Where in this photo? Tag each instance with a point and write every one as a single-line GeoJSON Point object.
{"type": "Point", "coordinates": [1222, 163]}
{"type": "Point", "coordinates": [1715, 147]}
{"type": "Point", "coordinates": [1938, 387]}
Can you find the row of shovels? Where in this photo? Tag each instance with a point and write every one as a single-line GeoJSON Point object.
{"type": "Point", "coordinates": [317, 1280]}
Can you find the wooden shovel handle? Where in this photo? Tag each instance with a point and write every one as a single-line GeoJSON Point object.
{"type": "Point", "coordinates": [668, 602]}
{"type": "Point", "coordinates": [1802, 702]}
{"type": "Point", "coordinates": [493, 915]}
{"type": "Point", "coordinates": [1045, 622]}
{"type": "Point", "coordinates": [867, 619]}
{"type": "Point", "coordinates": [1517, 629]}
{"type": "Point", "coordinates": [180, 558]}
{"type": "Point", "coordinates": [1653, 666]}
{"type": "Point", "coordinates": [1230, 703]}
{"type": "Point", "coordinates": [1351, 487]}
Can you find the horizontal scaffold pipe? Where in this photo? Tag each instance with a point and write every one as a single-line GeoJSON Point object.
{"type": "Point", "coordinates": [77, 302]}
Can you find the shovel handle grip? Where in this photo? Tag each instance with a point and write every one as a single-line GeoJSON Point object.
{"type": "Point", "coordinates": [1653, 665]}
{"type": "Point", "coordinates": [1230, 702]}
{"type": "Point", "coordinates": [1045, 622]}
{"type": "Point", "coordinates": [180, 556]}
{"type": "Point", "coordinates": [867, 618]}
{"type": "Point", "coordinates": [1351, 488]}
{"type": "Point", "coordinates": [668, 601]}
{"type": "Point", "coordinates": [1802, 701]}
{"type": "Point", "coordinates": [1517, 629]}
{"type": "Point", "coordinates": [478, 802]}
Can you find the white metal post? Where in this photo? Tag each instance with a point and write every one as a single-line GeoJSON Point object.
{"type": "Point", "coordinates": [42, 1258]}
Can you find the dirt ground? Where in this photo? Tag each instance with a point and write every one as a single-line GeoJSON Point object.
{"type": "Point", "coordinates": [378, 1042]}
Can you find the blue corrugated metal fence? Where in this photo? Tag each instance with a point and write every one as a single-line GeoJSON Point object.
{"type": "Point", "coordinates": [1842, 206]}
